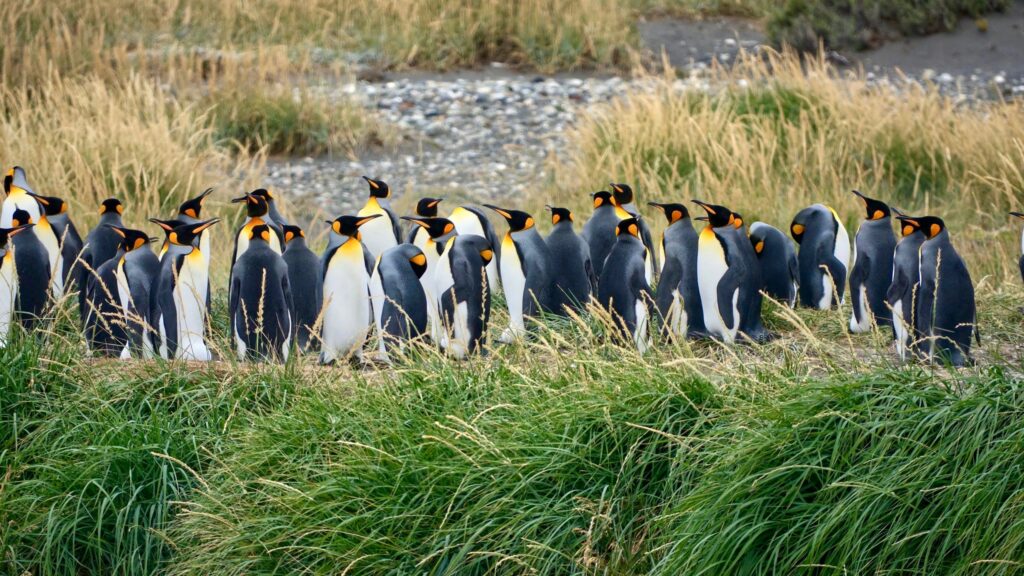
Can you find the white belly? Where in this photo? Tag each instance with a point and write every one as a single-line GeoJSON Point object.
{"type": "Point", "coordinates": [48, 237]}
{"type": "Point", "coordinates": [124, 297]}
{"type": "Point", "coordinates": [456, 339]}
{"type": "Point", "coordinates": [826, 290]}
{"type": "Point", "coordinates": [514, 281]}
{"type": "Point", "coordinates": [468, 224]}
{"type": "Point", "coordinates": [378, 234]}
{"type": "Point", "coordinates": [640, 334]}
{"type": "Point", "coordinates": [677, 320]}
{"type": "Point", "coordinates": [420, 238]}
{"type": "Point", "coordinates": [347, 306]}
{"type": "Point", "coordinates": [865, 324]}
{"type": "Point", "coordinates": [18, 199]}
{"type": "Point", "coordinates": [190, 305]}
{"type": "Point", "coordinates": [8, 295]}
{"type": "Point", "coordinates": [900, 328]}
{"type": "Point", "coordinates": [377, 300]}
{"type": "Point", "coordinates": [711, 267]}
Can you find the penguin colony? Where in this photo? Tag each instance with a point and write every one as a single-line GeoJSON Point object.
{"type": "Point", "coordinates": [434, 280]}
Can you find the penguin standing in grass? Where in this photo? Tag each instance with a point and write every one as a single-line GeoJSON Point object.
{"type": "Point", "coordinates": [260, 301]}
{"type": "Point", "coordinates": [17, 195]}
{"type": "Point", "coordinates": [32, 261]}
{"type": "Point", "coordinates": [623, 198]}
{"type": "Point", "coordinates": [385, 232]}
{"type": "Point", "coordinates": [824, 256]}
{"type": "Point", "coordinates": [101, 244]}
{"type": "Point", "coordinates": [48, 236]}
{"type": "Point", "coordinates": [871, 275]}
{"type": "Point", "coordinates": [347, 268]}
{"type": "Point", "coordinates": [425, 208]}
{"type": "Point", "coordinates": [1020, 263]}
{"type": "Point", "coordinates": [574, 279]}
{"type": "Point", "coordinates": [68, 239]}
{"type": "Point", "coordinates": [901, 298]}
{"type": "Point", "coordinates": [399, 303]}
{"type": "Point", "coordinates": [191, 212]}
{"type": "Point", "coordinates": [8, 281]}
{"type": "Point", "coordinates": [464, 295]}
{"type": "Point", "coordinates": [470, 220]}
{"type": "Point", "coordinates": [526, 275]}
{"type": "Point", "coordinates": [257, 212]}
{"type": "Point", "coordinates": [108, 308]}
{"type": "Point", "coordinates": [440, 233]}
{"type": "Point", "coordinates": [136, 269]}
{"type": "Point", "coordinates": [777, 257]}
{"type": "Point", "coordinates": [599, 231]}
{"type": "Point", "coordinates": [946, 315]}
{"type": "Point", "coordinates": [179, 308]}
{"type": "Point", "coordinates": [623, 289]}
{"type": "Point", "coordinates": [678, 295]}
{"type": "Point", "coordinates": [307, 283]}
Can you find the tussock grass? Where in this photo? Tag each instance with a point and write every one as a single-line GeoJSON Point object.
{"type": "Point", "coordinates": [774, 136]}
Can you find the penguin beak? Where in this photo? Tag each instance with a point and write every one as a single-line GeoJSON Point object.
{"type": "Point", "coordinates": [241, 199]}
{"type": "Point", "coordinates": [858, 193]}
{"type": "Point", "coordinates": [373, 184]}
{"type": "Point", "coordinates": [1017, 214]}
{"type": "Point", "coordinates": [656, 205]}
{"type": "Point", "coordinates": [903, 218]}
{"type": "Point", "coordinates": [367, 219]}
{"type": "Point", "coordinates": [502, 212]}
{"type": "Point", "coordinates": [701, 218]}
{"type": "Point", "coordinates": [707, 207]}
{"type": "Point", "coordinates": [118, 229]}
{"type": "Point", "coordinates": [417, 221]}
{"type": "Point", "coordinates": [205, 225]}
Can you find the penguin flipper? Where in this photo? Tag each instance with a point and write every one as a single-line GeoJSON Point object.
{"type": "Point", "coordinates": [794, 270]}
{"type": "Point", "coordinates": [858, 278]}
{"type": "Point", "coordinates": [648, 240]}
{"type": "Point", "coordinates": [396, 227]}
{"type": "Point", "coordinates": [835, 269]}
{"type": "Point", "coordinates": [727, 287]}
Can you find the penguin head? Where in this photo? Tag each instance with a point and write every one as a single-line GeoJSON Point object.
{"type": "Point", "coordinates": [256, 205]}
{"type": "Point", "coordinates": [628, 227]}
{"type": "Point", "coordinates": [622, 194]}
{"type": "Point", "coordinates": [111, 206]}
{"type": "Point", "coordinates": [719, 216]}
{"type": "Point", "coordinates": [193, 207]}
{"type": "Point", "coordinates": [349, 225]}
{"type": "Point", "coordinates": [673, 212]}
{"type": "Point", "coordinates": [378, 188]}
{"type": "Point", "coordinates": [167, 226]}
{"type": "Point", "coordinates": [874, 209]}
{"type": "Point", "coordinates": [559, 215]}
{"type": "Point", "coordinates": [7, 233]}
{"type": "Point", "coordinates": [21, 218]}
{"type": "Point", "coordinates": [184, 238]}
{"type": "Point", "coordinates": [15, 177]}
{"type": "Point", "coordinates": [436, 227]}
{"type": "Point", "coordinates": [517, 219]}
{"type": "Point", "coordinates": [9, 180]}
{"type": "Point", "coordinates": [427, 207]}
{"type": "Point", "coordinates": [292, 232]}
{"type": "Point", "coordinates": [930, 226]}
{"type": "Point", "coordinates": [602, 198]}
{"type": "Point", "coordinates": [260, 233]}
{"type": "Point", "coordinates": [131, 239]}
{"type": "Point", "coordinates": [51, 205]}
{"type": "Point", "coordinates": [417, 259]}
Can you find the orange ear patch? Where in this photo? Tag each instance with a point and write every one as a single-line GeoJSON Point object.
{"type": "Point", "coordinates": [908, 230]}
{"type": "Point", "coordinates": [935, 229]}
{"type": "Point", "coordinates": [528, 224]}
{"type": "Point", "coordinates": [487, 254]}
{"type": "Point", "coordinates": [448, 228]}
{"type": "Point", "coordinates": [798, 229]}
{"type": "Point", "coordinates": [878, 215]}
{"type": "Point", "coordinates": [419, 259]}
{"type": "Point", "coordinates": [265, 235]}
{"type": "Point", "coordinates": [336, 226]}
{"type": "Point", "coordinates": [759, 247]}
{"type": "Point", "coordinates": [556, 218]}
{"type": "Point", "coordinates": [191, 213]}
{"type": "Point", "coordinates": [634, 230]}
{"type": "Point", "coordinates": [598, 201]}
{"type": "Point", "coordinates": [676, 215]}
{"type": "Point", "coordinates": [288, 236]}
{"type": "Point", "coordinates": [139, 243]}
{"type": "Point", "coordinates": [173, 237]}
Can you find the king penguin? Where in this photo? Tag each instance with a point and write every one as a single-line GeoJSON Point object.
{"type": "Point", "coordinates": [106, 311]}
{"type": "Point", "coordinates": [274, 217]}
{"type": "Point", "coordinates": [179, 308]}
{"type": "Point", "coordinates": [260, 300]}
{"type": "Point", "coordinates": [136, 269]}
{"type": "Point", "coordinates": [257, 212]}
{"type": "Point", "coordinates": [47, 234]}
{"type": "Point", "coordinates": [17, 196]}
{"type": "Point", "coordinates": [678, 294]}
{"type": "Point", "coordinates": [946, 312]}
{"type": "Point", "coordinates": [464, 295]}
{"type": "Point", "coordinates": [425, 208]}
{"type": "Point", "coordinates": [901, 298]}
{"type": "Point", "coordinates": [167, 226]}
{"type": "Point", "coordinates": [307, 282]}
{"type": "Point", "coordinates": [623, 289]}
{"type": "Point", "coordinates": [191, 212]}
{"type": "Point", "coordinates": [385, 232]}
{"type": "Point", "coordinates": [824, 256]}
{"type": "Point", "coordinates": [346, 267]}
{"type": "Point", "coordinates": [70, 242]}
{"type": "Point", "coordinates": [780, 271]}
{"type": "Point", "coordinates": [625, 205]}
{"type": "Point", "coordinates": [729, 277]}
{"type": "Point", "coordinates": [101, 244]}
{"type": "Point", "coordinates": [871, 275]}
{"type": "Point", "coordinates": [32, 260]}
{"type": "Point", "coordinates": [1020, 263]}
{"type": "Point", "coordinates": [599, 231]}
{"type": "Point", "coordinates": [574, 279]}
{"type": "Point", "coordinates": [470, 220]}
{"type": "Point", "coordinates": [526, 276]}
{"type": "Point", "coordinates": [440, 233]}
{"type": "Point", "coordinates": [8, 281]}
{"type": "Point", "coordinates": [399, 303]}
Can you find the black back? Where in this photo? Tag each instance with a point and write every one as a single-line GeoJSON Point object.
{"type": "Point", "coordinates": [260, 302]}
{"type": "Point", "coordinates": [305, 276]}
{"type": "Point", "coordinates": [574, 277]}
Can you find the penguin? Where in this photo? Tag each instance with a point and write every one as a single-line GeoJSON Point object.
{"type": "Point", "coordinates": [179, 310]}
{"type": "Point", "coordinates": [470, 220]}
{"type": "Point", "coordinates": [425, 208]}
{"type": "Point", "coordinates": [599, 231]}
{"type": "Point", "coordinates": [383, 233]}
{"type": "Point", "coordinates": [678, 294]}
{"type": "Point", "coordinates": [136, 268]}
{"type": "Point", "coordinates": [68, 239]}
{"type": "Point", "coordinates": [824, 256]}
{"type": "Point", "coordinates": [525, 265]}
{"type": "Point", "coordinates": [8, 281]}
{"type": "Point", "coordinates": [307, 284]}
{"type": "Point", "coordinates": [729, 277]}
{"type": "Point", "coordinates": [440, 231]}
{"type": "Point", "coordinates": [623, 289]}
{"type": "Point", "coordinates": [275, 219]}
{"type": "Point", "coordinates": [1020, 263]}
{"type": "Point", "coordinates": [167, 226]}
{"type": "Point", "coordinates": [399, 303]}
{"type": "Point", "coordinates": [901, 297]}
{"type": "Point", "coordinates": [191, 212]}
{"type": "Point", "coordinates": [260, 300]}
{"type": "Point", "coordinates": [107, 308]}
{"type": "Point", "coordinates": [31, 259]}
{"type": "Point", "coordinates": [777, 257]}
{"type": "Point", "coordinates": [17, 196]}
{"type": "Point", "coordinates": [101, 244]}
{"type": "Point", "coordinates": [625, 207]}
{"type": "Point", "coordinates": [871, 274]}
{"type": "Point", "coordinates": [464, 295]}
{"type": "Point", "coordinates": [48, 236]}
{"type": "Point", "coordinates": [574, 280]}
{"type": "Point", "coordinates": [346, 274]}
{"type": "Point", "coordinates": [257, 213]}
{"type": "Point", "coordinates": [946, 315]}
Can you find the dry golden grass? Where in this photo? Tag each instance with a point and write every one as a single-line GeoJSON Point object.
{"type": "Point", "coordinates": [773, 137]}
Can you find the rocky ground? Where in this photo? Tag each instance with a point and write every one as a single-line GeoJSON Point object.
{"type": "Point", "coordinates": [487, 134]}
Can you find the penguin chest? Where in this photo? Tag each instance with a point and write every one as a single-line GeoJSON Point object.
{"type": "Point", "coordinates": [48, 237]}
{"type": "Point", "coordinates": [466, 223]}
{"type": "Point", "coordinates": [8, 293]}
{"type": "Point", "coordinates": [711, 268]}
{"type": "Point", "coordinates": [242, 241]}
{"type": "Point", "coordinates": [124, 294]}
{"type": "Point", "coordinates": [420, 238]}
{"type": "Point", "coordinates": [18, 199]}
{"type": "Point", "coordinates": [513, 279]}
{"type": "Point", "coordinates": [190, 293]}
{"type": "Point", "coordinates": [347, 299]}
{"type": "Point", "coordinates": [378, 234]}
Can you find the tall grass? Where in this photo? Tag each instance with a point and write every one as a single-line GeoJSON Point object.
{"type": "Point", "coordinates": [776, 135]}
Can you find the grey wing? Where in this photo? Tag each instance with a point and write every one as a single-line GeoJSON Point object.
{"type": "Point", "coordinates": [727, 286]}
{"type": "Point", "coordinates": [858, 278]}
{"type": "Point", "coordinates": [396, 227]}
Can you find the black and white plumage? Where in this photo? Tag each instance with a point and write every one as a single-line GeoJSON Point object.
{"type": "Point", "coordinates": [678, 293]}
{"type": "Point", "coordinates": [779, 268]}
{"type": "Point", "coordinates": [901, 297]}
{"type": "Point", "coordinates": [599, 230]}
{"type": "Point", "coordinates": [871, 275]}
{"type": "Point", "coordinates": [574, 280]}
{"type": "Point", "coordinates": [305, 275]}
{"type": "Point", "coordinates": [260, 301]}
{"type": "Point", "coordinates": [526, 275]}
{"type": "Point", "coordinates": [824, 257]}
{"type": "Point", "coordinates": [464, 295]}
{"type": "Point", "coordinates": [623, 289]}
{"type": "Point", "coordinates": [101, 244]}
{"type": "Point", "coordinates": [399, 301]}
